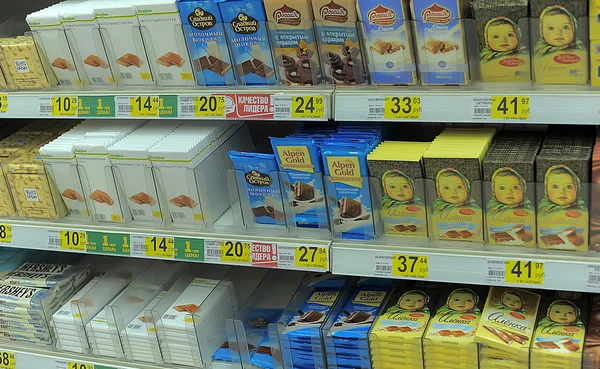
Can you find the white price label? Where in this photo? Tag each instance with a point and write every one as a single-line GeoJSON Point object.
{"type": "Point", "coordinates": [383, 265]}
{"type": "Point", "coordinates": [593, 276]}
{"type": "Point", "coordinates": [496, 271]}
{"type": "Point", "coordinates": [45, 104]}
{"type": "Point", "coordinates": [282, 106]}
{"type": "Point", "coordinates": [482, 108]}
{"type": "Point", "coordinates": [375, 107]}
{"type": "Point", "coordinates": [212, 251]}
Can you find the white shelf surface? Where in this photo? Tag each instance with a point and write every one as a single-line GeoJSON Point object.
{"type": "Point", "coordinates": [548, 105]}
{"type": "Point", "coordinates": [567, 271]}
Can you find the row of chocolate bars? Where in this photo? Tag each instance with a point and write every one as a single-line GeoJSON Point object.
{"type": "Point", "coordinates": [141, 310]}
{"type": "Point", "coordinates": [185, 43]}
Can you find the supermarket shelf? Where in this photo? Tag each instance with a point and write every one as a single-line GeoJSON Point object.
{"type": "Point", "coordinates": [455, 104]}
{"type": "Point", "coordinates": [261, 249]}
{"type": "Point", "coordinates": [34, 358]}
{"type": "Point", "coordinates": [562, 270]}
{"type": "Point", "coordinates": [239, 103]}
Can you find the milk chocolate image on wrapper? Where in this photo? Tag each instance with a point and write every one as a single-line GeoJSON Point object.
{"type": "Point", "coordinates": [268, 211]}
{"type": "Point", "coordinates": [72, 194]}
{"type": "Point", "coordinates": [183, 201]}
{"type": "Point", "coordinates": [304, 71]}
{"type": "Point", "coordinates": [95, 61]}
{"type": "Point", "coordinates": [310, 316]}
{"type": "Point", "coordinates": [62, 63]}
{"type": "Point", "coordinates": [129, 59]}
{"type": "Point", "coordinates": [213, 64]}
{"type": "Point", "coordinates": [101, 197]}
{"type": "Point", "coordinates": [142, 198]}
{"type": "Point", "coordinates": [348, 70]}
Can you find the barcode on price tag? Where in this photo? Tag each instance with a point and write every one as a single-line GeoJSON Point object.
{"type": "Point", "coordinates": [282, 106]}
{"type": "Point", "coordinates": [482, 108]}
{"type": "Point", "coordinates": [45, 104]}
{"type": "Point", "coordinates": [496, 271]}
{"type": "Point", "coordinates": [375, 106]}
{"type": "Point", "coordinates": [187, 108]}
{"type": "Point", "coordinates": [593, 280]}
{"type": "Point", "coordinates": [383, 265]}
{"type": "Point", "coordinates": [212, 251]}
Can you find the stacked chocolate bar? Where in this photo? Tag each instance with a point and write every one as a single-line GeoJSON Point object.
{"type": "Point", "coordinates": [563, 173]}
{"type": "Point", "coordinates": [509, 175]}
{"type": "Point", "coordinates": [506, 328]}
{"type": "Point", "coordinates": [449, 341]}
{"type": "Point", "coordinates": [560, 332]}
{"type": "Point", "coordinates": [595, 200]}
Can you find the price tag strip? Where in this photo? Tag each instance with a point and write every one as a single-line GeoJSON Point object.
{"type": "Point", "coordinates": [152, 246]}
{"type": "Point", "coordinates": [5, 233]}
{"type": "Point", "coordinates": [402, 265]}
{"type": "Point", "coordinates": [8, 360]}
{"type": "Point", "coordinates": [137, 106]}
{"type": "Point", "coordinates": [501, 108]}
{"type": "Point", "coordinates": [205, 106]}
{"type": "Point", "coordinates": [270, 255]}
{"type": "Point", "coordinates": [67, 239]}
{"type": "Point", "coordinates": [305, 107]}
{"type": "Point", "coordinates": [394, 107]}
{"type": "Point", "coordinates": [523, 272]}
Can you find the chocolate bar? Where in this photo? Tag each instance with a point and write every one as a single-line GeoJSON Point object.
{"type": "Point", "coordinates": [349, 208]}
{"type": "Point", "coordinates": [357, 317]}
{"type": "Point", "coordinates": [303, 191]}
{"type": "Point", "coordinates": [552, 240]}
{"type": "Point", "coordinates": [503, 237]}
{"type": "Point", "coordinates": [311, 316]}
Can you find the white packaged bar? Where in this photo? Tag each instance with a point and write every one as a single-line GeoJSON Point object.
{"type": "Point", "coordinates": [161, 27]}
{"type": "Point", "coordinates": [43, 268]}
{"type": "Point", "coordinates": [42, 280]}
{"type": "Point", "coordinates": [83, 34]}
{"type": "Point", "coordinates": [48, 28]}
{"type": "Point", "coordinates": [65, 314]}
{"type": "Point", "coordinates": [25, 297]}
{"type": "Point", "coordinates": [137, 328]}
{"type": "Point", "coordinates": [121, 34]}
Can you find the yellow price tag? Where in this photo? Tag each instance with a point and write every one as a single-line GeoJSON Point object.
{"type": "Point", "coordinates": [3, 103]}
{"type": "Point", "coordinates": [510, 107]}
{"type": "Point", "coordinates": [160, 247]}
{"type": "Point", "coordinates": [73, 240]}
{"type": "Point", "coordinates": [8, 360]}
{"type": "Point", "coordinates": [410, 266]}
{"type": "Point", "coordinates": [402, 107]}
{"type": "Point", "coordinates": [5, 233]}
{"type": "Point", "coordinates": [524, 272]}
{"type": "Point", "coordinates": [209, 106]}
{"type": "Point", "coordinates": [311, 257]}
{"type": "Point", "coordinates": [64, 106]}
{"type": "Point", "coordinates": [144, 106]}
{"type": "Point", "coordinates": [308, 107]}
{"type": "Point", "coordinates": [235, 252]}
{"type": "Point", "coordinates": [76, 365]}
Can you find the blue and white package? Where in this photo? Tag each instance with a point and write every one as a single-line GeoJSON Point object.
{"type": "Point", "coordinates": [300, 162]}
{"type": "Point", "coordinates": [207, 42]}
{"type": "Point", "coordinates": [245, 25]}
{"type": "Point", "coordinates": [347, 185]}
{"type": "Point", "coordinates": [301, 339]}
{"type": "Point", "coordinates": [257, 175]}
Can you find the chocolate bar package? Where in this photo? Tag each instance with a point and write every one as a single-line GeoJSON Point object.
{"type": "Point", "coordinates": [560, 53]}
{"type": "Point", "coordinates": [508, 320]}
{"type": "Point", "coordinates": [302, 175]}
{"type": "Point", "coordinates": [387, 33]}
{"type": "Point", "coordinates": [563, 167]}
{"type": "Point", "coordinates": [358, 315]}
{"type": "Point", "coordinates": [454, 325]}
{"type": "Point", "coordinates": [257, 174]}
{"type": "Point", "coordinates": [395, 339]}
{"type": "Point", "coordinates": [440, 41]}
{"type": "Point", "coordinates": [560, 331]}
{"type": "Point", "coordinates": [509, 175]}
{"type": "Point", "coordinates": [398, 168]}
{"type": "Point", "coordinates": [591, 349]}
{"type": "Point", "coordinates": [502, 29]}
{"type": "Point", "coordinates": [244, 23]}
{"type": "Point", "coordinates": [207, 42]}
{"type": "Point", "coordinates": [348, 190]}
{"type": "Point", "coordinates": [339, 41]}
{"type": "Point", "coordinates": [294, 45]}
{"type": "Point", "coordinates": [301, 338]}
{"type": "Point", "coordinates": [453, 166]}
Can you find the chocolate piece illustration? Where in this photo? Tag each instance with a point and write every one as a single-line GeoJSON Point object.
{"type": "Point", "coordinates": [465, 234]}
{"type": "Point", "coordinates": [552, 240]}
{"type": "Point", "coordinates": [503, 237]}
{"type": "Point", "coordinates": [310, 316]}
{"type": "Point", "coordinates": [452, 234]}
{"type": "Point", "coordinates": [357, 317]}
{"type": "Point", "coordinates": [547, 345]}
{"type": "Point", "coordinates": [303, 191]}
{"type": "Point", "coordinates": [349, 208]}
